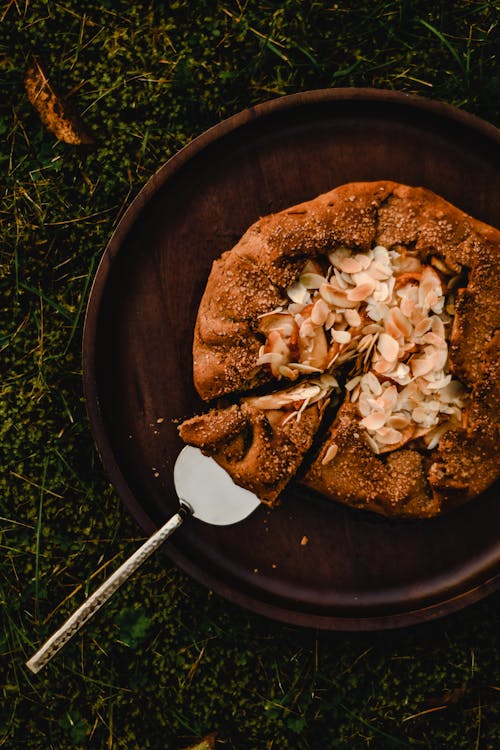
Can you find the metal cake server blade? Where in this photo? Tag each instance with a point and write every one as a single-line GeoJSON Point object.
{"type": "Point", "coordinates": [206, 492]}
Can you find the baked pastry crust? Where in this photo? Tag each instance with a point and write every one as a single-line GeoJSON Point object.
{"type": "Point", "coordinates": [249, 281]}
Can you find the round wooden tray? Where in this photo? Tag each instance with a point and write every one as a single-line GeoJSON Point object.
{"type": "Point", "coordinates": [357, 571]}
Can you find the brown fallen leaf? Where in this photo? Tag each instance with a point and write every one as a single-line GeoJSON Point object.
{"type": "Point", "coordinates": [207, 743]}
{"type": "Point", "coordinates": [55, 112]}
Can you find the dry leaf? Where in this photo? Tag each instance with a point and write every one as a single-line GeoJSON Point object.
{"type": "Point", "coordinates": [207, 743]}
{"type": "Point", "coordinates": [55, 113]}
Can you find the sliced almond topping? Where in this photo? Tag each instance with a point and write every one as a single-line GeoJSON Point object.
{"type": "Point", "coordinates": [377, 311]}
{"type": "Point", "coordinates": [349, 265]}
{"type": "Point", "coordinates": [384, 309]}
{"type": "Point", "coordinates": [330, 453]}
{"type": "Point", "coordinates": [298, 293]}
{"type": "Point", "coordinates": [268, 357]}
{"type": "Point", "coordinates": [389, 436]}
{"type": "Point", "coordinates": [307, 329]}
{"type": "Point", "coordinates": [407, 305]}
{"type": "Point", "coordinates": [437, 326]}
{"type": "Point", "coordinates": [434, 339]}
{"type": "Point", "coordinates": [430, 289]}
{"type": "Point", "coordinates": [363, 260]}
{"type": "Point", "coordinates": [361, 292]}
{"type": "Point", "coordinates": [311, 280]}
{"type": "Point", "coordinates": [365, 342]}
{"type": "Point", "coordinates": [341, 337]}
{"type": "Point", "coordinates": [398, 421]}
{"type": "Point", "coordinates": [280, 321]}
{"type": "Point", "coordinates": [372, 443]}
{"type": "Point", "coordinates": [340, 279]}
{"type": "Point", "coordinates": [352, 317]}
{"type": "Point", "coordinates": [314, 349]}
{"type": "Point", "coordinates": [389, 398]}
{"type": "Point", "coordinates": [374, 421]}
{"type": "Point", "coordinates": [401, 322]}
{"type": "Point", "coordinates": [423, 416]}
{"type": "Point", "coordinates": [378, 271]}
{"type": "Point", "coordinates": [388, 347]}
{"type": "Point", "coordinates": [320, 312]}
{"type": "Point", "coordinates": [409, 264]}
{"type": "Point", "coordinates": [352, 383]}
{"type": "Point", "coordinates": [372, 328]}
{"type": "Point", "coordinates": [371, 383]}
{"type": "Point", "coordinates": [287, 372]}
{"type": "Point", "coordinates": [433, 437]}
{"type": "Point", "coordinates": [422, 327]}
{"type": "Point", "coordinates": [381, 292]}
{"type": "Point", "coordinates": [422, 365]}
{"type": "Point", "coordinates": [393, 331]}
{"type": "Point", "coordinates": [355, 394]}
{"type": "Point", "coordinates": [300, 367]}
{"type": "Point", "coordinates": [335, 297]}
{"type": "Point", "coordinates": [337, 255]}
{"type": "Point", "coordinates": [364, 406]}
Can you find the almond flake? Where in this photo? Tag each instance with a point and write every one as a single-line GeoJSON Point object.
{"type": "Point", "coordinates": [298, 293]}
{"type": "Point", "coordinates": [341, 337]}
{"type": "Point", "coordinates": [330, 454]}
{"type": "Point", "coordinates": [352, 317]}
{"type": "Point", "coordinates": [388, 347]}
{"type": "Point", "coordinates": [365, 342]}
{"type": "Point", "coordinates": [311, 280]}
{"type": "Point", "coordinates": [352, 383]}
{"type": "Point", "coordinates": [337, 255]}
{"type": "Point", "coordinates": [320, 312]}
{"type": "Point", "coordinates": [400, 322]}
{"type": "Point", "coordinates": [361, 292]}
{"type": "Point", "coordinates": [363, 260]}
{"type": "Point", "coordinates": [422, 327]}
{"type": "Point", "coordinates": [398, 421]}
{"type": "Point", "coordinates": [433, 437]}
{"type": "Point", "coordinates": [334, 296]}
{"type": "Point", "coordinates": [287, 372]}
{"type": "Point", "coordinates": [422, 365]}
{"type": "Point", "coordinates": [379, 272]}
{"type": "Point", "coordinates": [374, 421]}
{"type": "Point", "coordinates": [389, 436]}
{"type": "Point", "coordinates": [371, 383]}
{"type": "Point", "coordinates": [389, 398]}
{"type": "Point", "coordinates": [372, 443]}
{"type": "Point", "coordinates": [349, 265]}
{"type": "Point", "coordinates": [300, 367]}
{"type": "Point", "coordinates": [381, 292]}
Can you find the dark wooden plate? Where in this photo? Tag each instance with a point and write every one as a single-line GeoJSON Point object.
{"type": "Point", "coordinates": [357, 571]}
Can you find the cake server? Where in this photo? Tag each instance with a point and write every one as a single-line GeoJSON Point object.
{"type": "Point", "coordinates": [206, 492]}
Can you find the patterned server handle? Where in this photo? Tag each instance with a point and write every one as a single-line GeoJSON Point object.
{"type": "Point", "coordinates": [103, 593]}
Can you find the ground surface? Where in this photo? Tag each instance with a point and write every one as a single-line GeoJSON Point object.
{"type": "Point", "coordinates": [167, 662]}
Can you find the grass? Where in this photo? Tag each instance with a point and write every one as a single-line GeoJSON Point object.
{"type": "Point", "coordinates": [167, 662]}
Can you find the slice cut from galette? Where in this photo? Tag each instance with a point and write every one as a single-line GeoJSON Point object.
{"type": "Point", "coordinates": [261, 441]}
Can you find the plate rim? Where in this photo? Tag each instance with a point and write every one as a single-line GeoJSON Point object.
{"type": "Point", "coordinates": [369, 622]}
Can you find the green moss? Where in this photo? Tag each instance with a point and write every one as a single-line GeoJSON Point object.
{"type": "Point", "coordinates": [166, 662]}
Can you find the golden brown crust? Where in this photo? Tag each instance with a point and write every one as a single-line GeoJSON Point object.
{"type": "Point", "coordinates": [250, 280]}
{"type": "Point", "coordinates": [361, 479]}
